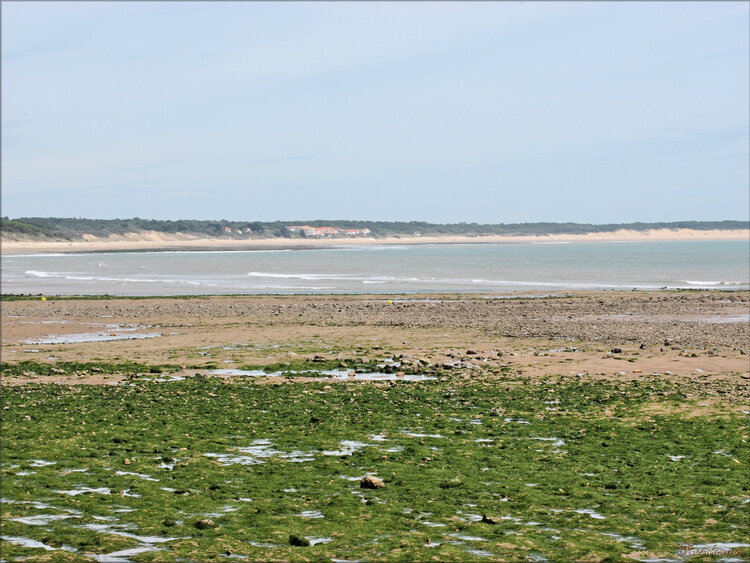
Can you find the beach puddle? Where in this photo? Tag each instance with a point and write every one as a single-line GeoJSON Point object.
{"type": "Point", "coordinates": [633, 543]}
{"type": "Point", "coordinates": [124, 555]}
{"type": "Point", "coordinates": [590, 513]}
{"type": "Point", "coordinates": [310, 514]}
{"type": "Point", "coordinates": [262, 544]}
{"type": "Point", "coordinates": [42, 519]}
{"type": "Point", "coordinates": [102, 336]}
{"type": "Point", "coordinates": [260, 450]}
{"type": "Point", "coordinates": [469, 517]}
{"type": "Point", "coordinates": [418, 435]}
{"type": "Point", "coordinates": [480, 553]}
{"type": "Point", "coordinates": [245, 372]}
{"type": "Point", "coordinates": [346, 447]}
{"type": "Point", "coordinates": [139, 475]}
{"type": "Point", "coordinates": [34, 544]}
{"type": "Point", "coordinates": [116, 529]}
{"type": "Point", "coordinates": [325, 374]}
{"type": "Point", "coordinates": [376, 376]}
{"type": "Point", "coordinates": [41, 463]}
{"type": "Point", "coordinates": [85, 490]}
{"type": "Point", "coordinates": [316, 541]}
{"type": "Point", "coordinates": [466, 538]}
{"type": "Point", "coordinates": [557, 442]}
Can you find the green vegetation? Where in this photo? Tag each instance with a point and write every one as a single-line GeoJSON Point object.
{"type": "Point", "coordinates": [53, 228]}
{"type": "Point", "coordinates": [27, 368]}
{"type": "Point", "coordinates": [487, 468]}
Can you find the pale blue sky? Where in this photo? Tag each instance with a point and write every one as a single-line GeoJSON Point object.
{"type": "Point", "coordinates": [484, 111]}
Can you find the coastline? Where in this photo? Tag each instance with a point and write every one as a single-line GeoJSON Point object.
{"type": "Point", "coordinates": [152, 241]}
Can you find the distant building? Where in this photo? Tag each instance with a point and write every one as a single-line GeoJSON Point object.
{"type": "Point", "coordinates": [327, 232]}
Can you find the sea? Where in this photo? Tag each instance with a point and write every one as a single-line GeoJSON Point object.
{"type": "Point", "coordinates": [386, 269]}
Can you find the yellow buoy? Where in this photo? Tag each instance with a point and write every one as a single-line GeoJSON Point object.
{"type": "Point", "coordinates": [390, 302]}
{"type": "Point", "coordinates": [44, 299]}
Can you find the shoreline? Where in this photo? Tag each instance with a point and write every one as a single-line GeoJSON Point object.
{"type": "Point", "coordinates": [154, 242]}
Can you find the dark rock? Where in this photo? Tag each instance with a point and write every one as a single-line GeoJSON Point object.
{"type": "Point", "coordinates": [489, 520]}
{"type": "Point", "coordinates": [617, 350]}
{"type": "Point", "coordinates": [205, 524]}
{"type": "Point", "coordinates": [299, 541]}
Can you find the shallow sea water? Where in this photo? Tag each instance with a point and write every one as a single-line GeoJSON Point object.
{"type": "Point", "coordinates": [512, 267]}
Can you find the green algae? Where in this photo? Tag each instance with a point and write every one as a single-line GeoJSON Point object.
{"type": "Point", "coordinates": [567, 470]}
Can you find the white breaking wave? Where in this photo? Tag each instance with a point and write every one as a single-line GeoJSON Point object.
{"type": "Point", "coordinates": [702, 283]}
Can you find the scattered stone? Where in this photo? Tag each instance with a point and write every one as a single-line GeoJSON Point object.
{"type": "Point", "coordinates": [126, 462]}
{"type": "Point", "coordinates": [318, 358]}
{"type": "Point", "coordinates": [617, 350]}
{"type": "Point", "coordinates": [299, 541]}
{"type": "Point", "coordinates": [57, 370]}
{"type": "Point", "coordinates": [205, 524]}
{"type": "Point", "coordinates": [370, 482]}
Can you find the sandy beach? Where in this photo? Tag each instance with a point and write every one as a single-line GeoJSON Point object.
{"type": "Point", "coordinates": [154, 241]}
{"type": "Point", "coordinates": [674, 334]}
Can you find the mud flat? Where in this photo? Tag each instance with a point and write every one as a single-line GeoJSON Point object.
{"type": "Point", "coordinates": [673, 333]}
{"type": "Point", "coordinates": [584, 426]}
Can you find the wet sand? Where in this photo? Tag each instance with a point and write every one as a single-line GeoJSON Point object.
{"type": "Point", "coordinates": [621, 335]}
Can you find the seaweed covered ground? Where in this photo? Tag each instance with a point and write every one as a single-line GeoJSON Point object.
{"type": "Point", "coordinates": [485, 469]}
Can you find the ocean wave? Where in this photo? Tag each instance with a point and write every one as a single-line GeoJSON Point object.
{"type": "Point", "coordinates": [76, 277]}
{"type": "Point", "coordinates": [303, 276]}
{"type": "Point", "coordinates": [38, 274]}
{"type": "Point", "coordinates": [712, 283]}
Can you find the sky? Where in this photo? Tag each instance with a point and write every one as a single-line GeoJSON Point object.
{"type": "Point", "coordinates": [488, 112]}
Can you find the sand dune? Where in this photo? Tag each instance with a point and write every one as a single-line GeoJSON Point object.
{"type": "Point", "coordinates": [150, 240]}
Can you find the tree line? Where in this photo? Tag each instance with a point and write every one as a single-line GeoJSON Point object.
{"type": "Point", "coordinates": [57, 228]}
